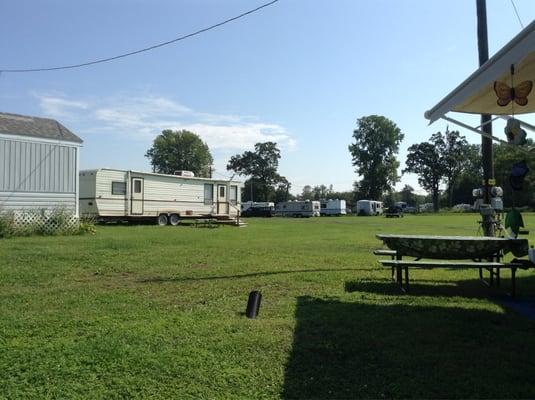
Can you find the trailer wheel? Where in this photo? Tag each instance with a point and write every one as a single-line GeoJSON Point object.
{"type": "Point", "coordinates": [162, 219]}
{"type": "Point", "coordinates": [174, 219]}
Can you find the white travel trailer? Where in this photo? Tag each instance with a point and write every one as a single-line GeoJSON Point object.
{"type": "Point", "coordinates": [304, 208]}
{"type": "Point", "coordinates": [369, 207]}
{"type": "Point", "coordinates": [256, 204]}
{"type": "Point", "coordinates": [258, 209]}
{"type": "Point", "coordinates": [333, 207]}
{"type": "Point", "coordinates": [113, 194]}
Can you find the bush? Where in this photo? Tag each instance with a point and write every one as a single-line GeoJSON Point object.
{"type": "Point", "coordinates": [87, 225]}
{"type": "Point", "coordinates": [7, 225]}
{"type": "Point", "coordinates": [40, 222]}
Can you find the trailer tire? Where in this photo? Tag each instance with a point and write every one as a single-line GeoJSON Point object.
{"type": "Point", "coordinates": [162, 219]}
{"type": "Point", "coordinates": [174, 219]}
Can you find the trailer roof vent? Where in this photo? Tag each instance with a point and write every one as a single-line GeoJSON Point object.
{"type": "Point", "coordinates": [184, 173]}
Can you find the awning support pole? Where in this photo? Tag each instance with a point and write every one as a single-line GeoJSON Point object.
{"type": "Point", "coordinates": [466, 126]}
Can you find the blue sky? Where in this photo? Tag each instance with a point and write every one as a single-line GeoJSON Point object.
{"type": "Point", "coordinates": [299, 73]}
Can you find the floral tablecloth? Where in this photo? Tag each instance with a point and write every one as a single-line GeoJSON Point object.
{"type": "Point", "coordinates": [453, 247]}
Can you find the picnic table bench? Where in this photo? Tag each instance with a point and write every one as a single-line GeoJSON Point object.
{"type": "Point", "coordinates": [206, 223]}
{"type": "Point", "coordinates": [482, 253]}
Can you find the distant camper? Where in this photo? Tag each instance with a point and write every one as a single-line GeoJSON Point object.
{"type": "Point", "coordinates": [369, 207]}
{"type": "Point", "coordinates": [402, 205]}
{"type": "Point", "coordinates": [258, 209]}
{"type": "Point", "coordinates": [333, 207]}
{"type": "Point", "coordinates": [113, 194]}
{"type": "Point", "coordinates": [304, 208]}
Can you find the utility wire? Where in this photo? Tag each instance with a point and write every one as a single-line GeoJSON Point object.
{"type": "Point", "coordinates": [103, 60]}
{"type": "Point", "coordinates": [517, 15]}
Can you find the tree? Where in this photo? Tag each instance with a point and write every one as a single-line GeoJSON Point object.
{"type": "Point", "coordinates": [423, 160]}
{"type": "Point", "coordinates": [261, 166]}
{"type": "Point", "coordinates": [321, 192]}
{"type": "Point", "coordinates": [442, 158]}
{"type": "Point", "coordinates": [470, 177]}
{"type": "Point", "coordinates": [374, 151]}
{"type": "Point", "coordinates": [180, 150]}
{"type": "Point", "coordinates": [504, 158]}
{"type": "Point", "coordinates": [282, 192]}
{"type": "Point", "coordinates": [406, 194]}
{"type": "Point", "coordinates": [307, 194]}
{"type": "Point", "coordinates": [452, 148]}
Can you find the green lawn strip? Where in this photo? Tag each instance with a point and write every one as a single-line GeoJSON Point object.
{"type": "Point", "coordinates": [146, 311]}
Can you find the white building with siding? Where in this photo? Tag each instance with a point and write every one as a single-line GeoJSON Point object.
{"type": "Point", "coordinates": [39, 163]}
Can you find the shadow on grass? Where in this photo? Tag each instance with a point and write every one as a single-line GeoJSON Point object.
{"type": "Point", "coordinates": [469, 289]}
{"type": "Point", "coordinates": [355, 350]}
{"type": "Point", "coordinates": [472, 288]}
{"type": "Point", "coordinates": [163, 279]}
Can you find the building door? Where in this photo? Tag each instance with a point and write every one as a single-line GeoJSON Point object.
{"type": "Point", "coordinates": [137, 196]}
{"type": "Point", "coordinates": [222, 201]}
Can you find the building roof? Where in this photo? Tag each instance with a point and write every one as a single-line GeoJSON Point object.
{"type": "Point", "coordinates": [45, 128]}
{"type": "Point", "coordinates": [480, 93]}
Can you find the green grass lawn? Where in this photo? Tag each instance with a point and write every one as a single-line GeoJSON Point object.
{"type": "Point", "coordinates": [158, 312]}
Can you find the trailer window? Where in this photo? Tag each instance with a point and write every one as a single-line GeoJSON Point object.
{"type": "Point", "coordinates": [208, 193]}
{"type": "Point", "coordinates": [118, 188]}
{"type": "Point", "coordinates": [137, 186]}
{"type": "Point", "coordinates": [233, 195]}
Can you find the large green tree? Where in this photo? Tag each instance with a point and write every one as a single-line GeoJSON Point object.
{"type": "Point", "coordinates": [452, 148]}
{"type": "Point", "coordinates": [470, 176]}
{"type": "Point", "coordinates": [374, 150]}
{"type": "Point", "coordinates": [444, 158]}
{"type": "Point", "coordinates": [261, 165]}
{"type": "Point", "coordinates": [180, 150]}
{"type": "Point", "coordinates": [423, 159]}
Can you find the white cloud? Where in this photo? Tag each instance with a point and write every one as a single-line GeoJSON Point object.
{"type": "Point", "coordinates": [143, 118]}
{"type": "Point", "coordinates": [60, 107]}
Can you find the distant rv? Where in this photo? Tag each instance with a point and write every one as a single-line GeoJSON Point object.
{"type": "Point", "coordinates": [304, 208]}
{"type": "Point", "coordinates": [257, 209]}
{"type": "Point", "coordinates": [369, 207]}
{"type": "Point", "coordinates": [112, 194]}
{"type": "Point", "coordinates": [333, 207]}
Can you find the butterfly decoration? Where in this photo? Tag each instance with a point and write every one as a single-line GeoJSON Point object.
{"type": "Point", "coordinates": [518, 94]}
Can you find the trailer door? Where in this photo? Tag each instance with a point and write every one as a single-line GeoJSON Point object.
{"type": "Point", "coordinates": [222, 202]}
{"type": "Point", "coordinates": [137, 196]}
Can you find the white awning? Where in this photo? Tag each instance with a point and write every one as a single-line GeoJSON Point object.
{"type": "Point", "coordinates": [476, 95]}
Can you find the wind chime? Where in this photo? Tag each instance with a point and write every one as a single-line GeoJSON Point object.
{"type": "Point", "coordinates": [519, 95]}
{"type": "Point", "coordinates": [516, 136]}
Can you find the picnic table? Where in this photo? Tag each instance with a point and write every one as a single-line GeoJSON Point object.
{"type": "Point", "coordinates": [483, 253]}
{"type": "Point", "coordinates": [206, 223]}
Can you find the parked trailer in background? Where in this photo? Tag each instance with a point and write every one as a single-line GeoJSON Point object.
{"type": "Point", "coordinates": [112, 194]}
{"type": "Point", "coordinates": [305, 208]}
{"type": "Point", "coordinates": [369, 207]}
{"type": "Point", "coordinates": [333, 207]}
{"type": "Point", "coordinates": [257, 209]}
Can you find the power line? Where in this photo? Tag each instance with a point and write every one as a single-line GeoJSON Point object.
{"type": "Point", "coordinates": [103, 60]}
{"type": "Point", "coordinates": [517, 15]}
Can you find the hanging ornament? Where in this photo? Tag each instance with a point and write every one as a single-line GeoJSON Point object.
{"type": "Point", "coordinates": [514, 132]}
{"type": "Point", "coordinates": [511, 95]}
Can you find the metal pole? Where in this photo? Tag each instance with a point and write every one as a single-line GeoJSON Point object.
{"type": "Point", "coordinates": [486, 119]}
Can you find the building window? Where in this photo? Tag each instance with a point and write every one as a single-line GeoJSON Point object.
{"type": "Point", "coordinates": [221, 192]}
{"type": "Point", "coordinates": [137, 186]}
{"type": "Point", "coordinates": [208, 194]}
{"type": "Point", "coordinates": [118, 188]}
{"type": "Point", "coordinates": [233, 195]}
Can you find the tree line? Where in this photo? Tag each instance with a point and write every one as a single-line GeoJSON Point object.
{"type": "Point", "coordinates": [447, 166]}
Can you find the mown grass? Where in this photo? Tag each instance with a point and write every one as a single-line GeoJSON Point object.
{"type": "Point", "coordinates": [152, 312]}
